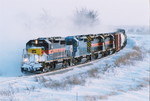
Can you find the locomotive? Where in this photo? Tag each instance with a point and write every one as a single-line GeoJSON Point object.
{"type": "Point", "coordinates": [51, 53]}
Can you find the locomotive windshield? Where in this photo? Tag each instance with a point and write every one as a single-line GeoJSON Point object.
{"type": "Point", "coordinates": [37, 44]}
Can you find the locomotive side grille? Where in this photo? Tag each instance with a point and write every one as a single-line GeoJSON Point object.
{"type": "Point", "coordinates": [89, 39]}
{"type": "Point", "coordinates": [52, 51]}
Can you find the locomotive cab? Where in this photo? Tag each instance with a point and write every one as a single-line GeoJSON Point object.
{"type": "Point", "coordinates": [34, 55]}
{"type": "Point", "coordinates": [38, 48]}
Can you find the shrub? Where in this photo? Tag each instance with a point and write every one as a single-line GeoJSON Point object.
{"type": "Point", "coordinates": [74, 80]}
{"type": "Point", "coordinates": [40, 79]}
{"type": "Point", "coordinates": [93, 72]}
{"type": "Point", "coordinates": [129, 57]}
{"type": "Point", "coordinates": [85, 17]}
{"type": "Point", "coordinates": [90, 98]}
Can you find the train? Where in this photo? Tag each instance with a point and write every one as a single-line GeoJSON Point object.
{"type": "Point", "coordinates": [46, 54]}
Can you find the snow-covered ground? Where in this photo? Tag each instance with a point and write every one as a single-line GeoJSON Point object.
{"type": "Point", "coordinates": [101, 80]}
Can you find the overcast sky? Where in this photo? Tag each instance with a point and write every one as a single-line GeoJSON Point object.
{"type": "Point", "coordinates": [28, 19]}
{"type": "Point", "coordinates": [112, 12]}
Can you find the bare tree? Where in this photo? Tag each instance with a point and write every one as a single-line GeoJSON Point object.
{"type": "Point", "coordinates": [45, 18]}
{"type": "Point", "coordinates": [85, 17]}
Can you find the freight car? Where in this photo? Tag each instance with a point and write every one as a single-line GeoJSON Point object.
{"type": "Point", "coordinates": [51, 53]}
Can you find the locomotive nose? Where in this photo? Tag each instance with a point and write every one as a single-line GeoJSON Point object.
{"type": "Point", "coordinates": [32, 67]}
{"type": "Point", "coordinates": [37, 51]}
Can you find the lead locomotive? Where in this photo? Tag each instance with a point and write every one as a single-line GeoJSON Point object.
{"type": "Point", "coordinates": [50, 53]}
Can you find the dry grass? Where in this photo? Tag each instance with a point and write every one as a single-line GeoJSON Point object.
{"type": "Point", "coordinates": [67, 82]}
{"type": "Point", "coordinates": [54, 84]}
{"type": "Point", "coordinates": [80, 79]}
{"type": "Point", "coordinates": [106, 68]}
{"type": "Point", "coordinates": [93, 72]}
{"type": "Point", "coordinates": [75, 80]}
{"type": "Point", "coordinates": [145, 83]}
{"type": "Point", "coordinates": [99, 97]}
{"type": "Point", "coordinates": [71, 81]}
{"type": "Point", "coordinates": [90, 98]}
{"type": "Point", "coordinates": [64, 84]}
{"type": "Point", "coordinates": [103, 97]}
{"type": "Point", "coordinates": [30, 88]}
{"type": "Point", "coordinates": [7, 95]}
{"type": "Point", "coordinates": [128, 58]}
{"type": "Point", "coordinates": [41, 79]}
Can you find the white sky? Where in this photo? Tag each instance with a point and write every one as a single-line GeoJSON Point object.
{"type": "Point", "coordinates": [112, 12]}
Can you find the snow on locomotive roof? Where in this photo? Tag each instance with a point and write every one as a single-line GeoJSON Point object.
{"type": "Point", "coordinates": [52, 38]}
{"type": "Point", "coordinates": [80, 35]}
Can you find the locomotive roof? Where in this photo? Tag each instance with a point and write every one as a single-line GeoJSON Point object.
{"type": "Point", "coordinates": [52, 38]}
{"type": "Point", "coordinates": [80, 36]}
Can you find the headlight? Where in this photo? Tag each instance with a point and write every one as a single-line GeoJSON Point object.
{"type": "Point", "coordinates": [25, 60]}
{"type": "Point", "coordinates": [37, 60]}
